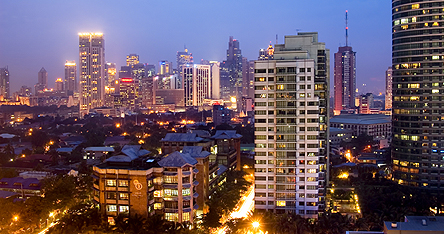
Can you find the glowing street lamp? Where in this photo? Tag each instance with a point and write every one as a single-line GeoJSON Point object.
{"type": "Point", "coordinates": [15, 218]}
{"type": "Point", "coordinates": [255, 224]}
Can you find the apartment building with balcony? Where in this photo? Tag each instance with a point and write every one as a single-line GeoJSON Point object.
{"type": "Point", "coordinates": [127, 184]}
{"type": "Point", "coordinates": [291, 119]}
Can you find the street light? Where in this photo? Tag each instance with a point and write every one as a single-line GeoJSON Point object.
{"type": "Point", "coordinates": [16, 218]}
{"type": "Point", "coordinates": [255, 224]}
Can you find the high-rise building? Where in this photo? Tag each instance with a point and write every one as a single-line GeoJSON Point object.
{"type": "Point", "coordinates": [344, 79]}
{"type": "Point", "coordinates": [70, 77]}
{"type": "Point", "coordinates": [92, 71]}
{"type": "Point", "coordinates": [247, 78]}
{"type": "Point", "coordinates": [132, 59]}
{"type": "Point", "coordinates": [4, 82]}
{"type": "Point", "coordinates": [42, 80]}
{"type": "Point", "coordinates": [58, 86]}
{"type": "Point", "coordinates": [165, 67]}
{"type": "Point", "coordinates": [266, 54]}
{"type": "Point", "coordinates": [417, 93]}
{"type": "Point", "coordinates": [150, 69]}
{"type": "Point", "coordinates": [197, 84]}
{"type": "Point", "coordinates": [291, 119]}
{"type": "Point", "coordinates": [388, 88]}
{"type": "Point", "coordinates": [215, 79]}
{"type": "Point", "coordinates": [128, 97]}
{"type": "Point", "coordinates": [111, 73]}
{"type": "Point", "coordinates": [183, 58]}
{"type": "Point", "coordinates": [231, 72]}
{"type": "Point", "coordinates": [366, 103]}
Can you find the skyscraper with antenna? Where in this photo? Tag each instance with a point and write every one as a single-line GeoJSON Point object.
{"type": "Point", "coordinates": [344, 75]}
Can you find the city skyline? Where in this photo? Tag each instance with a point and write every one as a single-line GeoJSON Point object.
{"type": "Point", "coordinates": [209, 44]}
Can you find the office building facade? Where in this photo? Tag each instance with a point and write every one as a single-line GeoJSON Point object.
{"type": "Point", "coordinates": [388, 88]}
{"type": "Point", "coordinates": [344, 79]}
{"type": "Point", "coordinates": [132, 59]}
{"type": "Point", "coordinates": [92, 71]}
{"type": "Point", "coordinates": [70, 77]}
{"type": "Point", "coordinates": [231, 71]}
{"type": "Point", "coordinates": [291, 117]}
{"type": "Point", "coordinates": [197, 84]}
{"type": "Point", "coordinates": [4, 82]}
{"type": "Point", "coordinates": [417, 146]}
{"type": "Point", "coordinates": [42, 80]}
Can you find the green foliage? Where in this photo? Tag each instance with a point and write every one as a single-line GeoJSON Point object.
{"type": "Point", "coordinates": [225, 199]}
{"type": "Point", "coordinates": [39, 138]}
{"type": "Point", "coordinates": [8, 173]}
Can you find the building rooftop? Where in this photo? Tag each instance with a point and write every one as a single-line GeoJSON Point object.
{"type": "Point", "coordinates": [134, 151]}
{"type": "Point", "coordinates": [195, 151]}
{"type": "Point", "coordinates": [65, 150]}
{"type": "Point", "coordinates": [20, 183]}
{"type": "Point", "coordinates": [182, 137]}
{"type": "Point", "coordinates": [361, 119]}
{"type": "Point", "coordinates": [7, 194]}
{"type": "Point", "coordinates": [226, 134]}
{"type": "Point", "coordinates": [201, 133]}
{"type": "Point", "coordinates": [418, 223]}
{"type": "Point", "coordinates": [177, 159]}
{"type": "Point", "coordinates": [100, 148]}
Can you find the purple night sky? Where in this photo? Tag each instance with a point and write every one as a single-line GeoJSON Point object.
{"type": "Point", "coordinates": [44, 33]}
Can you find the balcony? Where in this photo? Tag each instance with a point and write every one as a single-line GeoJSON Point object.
{"type": "Point", "coordinates": [110, 188]}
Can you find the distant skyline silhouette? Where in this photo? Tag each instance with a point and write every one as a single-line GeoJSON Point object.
{"type": "Point", "coordinates": [44, 33]}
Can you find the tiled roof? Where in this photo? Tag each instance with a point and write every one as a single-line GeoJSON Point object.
{"type": "Point", "coordinates": [177, 159]}
{"type": "Point", "coordinates": [195, 151]}
{"type": "Point", "coordinates": [182, 137]}
{"type": "Point", "coordinates": [361, 119]}
{"type": "Point", "coordinates": [20, 183]}
{"type": "Point", "coordinates": [226, 134]}
{"type": "Point", "coordinates": [100, 148]}
{"type": "Point", "coordinates": [134, 151]}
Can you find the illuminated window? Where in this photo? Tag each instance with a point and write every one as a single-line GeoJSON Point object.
{"type": "Point", "coordinates": [435, 57]}
{"type": "Point", "coordinates": [186, 192]}
{"type": "Point", "coordinates": [111, 208]}
{"type": "Point", "coordinates": [123, 183]}
{"type": "Point", "coordinates": [110, 183]}
{"type": "Point", "coordinates": [280, 203]}
{"type": "Point", "coordinates": [396, 22]}
{"type": "Point", "coordinates": [173, 217]}
{"type": "Point", "coordinates": [435, 90]}
{"type": "Point", "coordinates": [415, 6]}
{"type": "Point", "coordinates": [280, 87]}
{"type": "Point", "coordinates": [302, 95]}
{"type": "Point", "coordinates": [404, 21]}
{"type": "Point", "coordinates": [157, 206]}
{"type": "Point", "coordinates": [123, 209]}
{"type": "Point", "coordinates": [414, 19]}
{"type": "Point", "coordinates": [185, 217]}
{"type": "Point", "coordinates": [123, 196]}
{"type": "Point", "coordinates": [158, 193]}
{"type": "Point", "coordinates": [435, 24]}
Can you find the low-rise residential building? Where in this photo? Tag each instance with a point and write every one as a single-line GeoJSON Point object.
{"type": "Point", "coordinates": [377, 126]}
{"type": "Point", "coordinates": [416, 225]}
{"type": "Point", "coordinates": [176, 141]}
{"type": "Point", "coordinates": [338, 134]}
{"type": "Point", "coordinates": [25, 187]}
{"type": "Point", "coordinates": [127, 184]}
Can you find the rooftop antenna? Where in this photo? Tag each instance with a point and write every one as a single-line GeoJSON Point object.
{"type": "Point", "coordinates": [276, 39]}
{"type": "Point", "coordinates": [346, 27]}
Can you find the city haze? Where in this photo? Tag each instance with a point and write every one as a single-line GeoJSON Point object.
{"type": "Point", "coordinates": [45, 33]}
